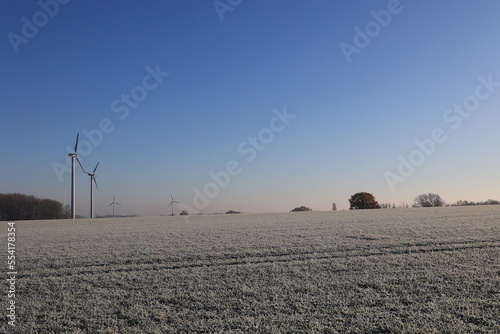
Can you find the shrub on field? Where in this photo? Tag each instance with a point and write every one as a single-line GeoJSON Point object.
{"type": "Point", "coordinates": [232, 212]}
{"type": "Point", "coordinates": [363, 200]}
{"type": "Point", "coordinates": [184, 213]}
{"type": "Point", "coordinates": [301, 208]}
{"type": "Point", "coordinates": [428, 200]}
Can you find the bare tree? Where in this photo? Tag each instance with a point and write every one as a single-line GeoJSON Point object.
{"type": "Point", "coordinates": [428, 200]}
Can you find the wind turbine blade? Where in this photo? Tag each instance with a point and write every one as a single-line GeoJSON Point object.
{"type": "Point", "coordinates": [95, 168]}
{"type": "Point", "coordinates": [95, 182]}
{"type": "Point", "coordinates": [172, 197]}
{"type": "Point", "coordinates": [176, 202]}
{"type": "Point", "coordinates": [118, 203]}
{"type": "Point", "coordinates": [170, 204]}
{"type": "Point", "coordinates": [113, 197]}
{"type": "Point", "coordinates": [81, 166]}
{"type": "Point", "coordinates": [76, 144]}
{"type": "Point", "coordinates": [111, 204]}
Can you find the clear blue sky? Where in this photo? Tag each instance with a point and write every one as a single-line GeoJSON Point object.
{"type": "Point", "coordinates": [227, 72]}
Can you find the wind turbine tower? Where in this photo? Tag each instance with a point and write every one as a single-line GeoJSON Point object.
{"type": "Point", "coordinates": [113, 204]}
{"type": "Point", "coordinates": [92, 180]}
{"type": "Point", "coordinates": [74, 156]}
{"type": "Point", "coordinates": [172, 204]}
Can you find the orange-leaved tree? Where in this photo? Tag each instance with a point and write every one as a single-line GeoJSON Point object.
{"type": "Point", "coordinates": [363, 200]}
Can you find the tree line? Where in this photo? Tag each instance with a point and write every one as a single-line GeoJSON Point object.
{"type": "Point", "coordinates": [466, 203]}
{"type": "Point", "coordinates": [28, 207]}
{"type": "Point", "coordinates": [364, 200]}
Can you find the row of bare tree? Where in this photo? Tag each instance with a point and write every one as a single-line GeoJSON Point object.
{"type": "Point", "coordinates": [364, 200]}
{"type": "Point", "coordinates": [466, 203]}
{"type": "Point", "coordinates": [27, 207]}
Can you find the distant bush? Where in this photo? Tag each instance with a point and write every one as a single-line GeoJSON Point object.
{"type": "Point", "coordinates": [184, 213]}
{"type": "Point", "coordinates": [301, 208]}
{"type": "Point", "coordinates": [232, 212]}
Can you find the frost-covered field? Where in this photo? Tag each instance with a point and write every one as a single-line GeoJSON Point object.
{"type": "Point", "coordinates": [371, 271]}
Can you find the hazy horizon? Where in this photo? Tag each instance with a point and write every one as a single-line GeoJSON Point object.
{"type": "Point", "coordinates": [258, 107]}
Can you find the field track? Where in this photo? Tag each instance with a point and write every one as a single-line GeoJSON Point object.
{"type": "Point", "coordinates": [127, 266]}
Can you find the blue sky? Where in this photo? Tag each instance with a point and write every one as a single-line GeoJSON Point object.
{"type": "Point", "coordinates": [229, 74]}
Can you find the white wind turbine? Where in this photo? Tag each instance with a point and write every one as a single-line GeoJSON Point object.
{"type": "Point", "coordinates": [172, 204]}
{"type": "Point", "coordinates": [113, 204]}
{"type": "Point", "coordinates": [74, 156]}
{"type": "Point", "coordinates": [92, 180]}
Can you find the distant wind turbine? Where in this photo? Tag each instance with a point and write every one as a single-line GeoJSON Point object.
{"type": "Point", "coordinates": [74, 156]}
{"type": "Point", "coordinates": [172, 203]}
{"type": "Point", "coordinates": [113, 204]}
{"type": "Point", "coordinates": [92, 180]}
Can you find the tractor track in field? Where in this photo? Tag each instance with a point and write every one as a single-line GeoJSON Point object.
{"type": "Point", "coordinates": [263, 258]}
